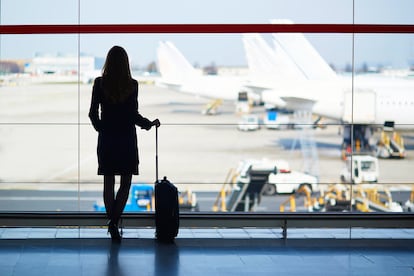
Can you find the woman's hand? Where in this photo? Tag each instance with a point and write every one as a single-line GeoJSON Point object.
{"type": "Point", "coordinates": [156, 123]}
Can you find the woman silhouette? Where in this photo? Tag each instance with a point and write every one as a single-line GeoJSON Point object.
{"type": "Point", "coordinates": [116, 93]}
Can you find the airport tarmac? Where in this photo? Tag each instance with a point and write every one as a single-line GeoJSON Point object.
{"type": "Point", "coordinates": [47, 142]}
{"type": "Point", "coordinates": [73, 201]}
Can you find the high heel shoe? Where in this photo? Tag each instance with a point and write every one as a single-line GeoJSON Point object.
{"type": "Point", "coordinates": [114, 232]}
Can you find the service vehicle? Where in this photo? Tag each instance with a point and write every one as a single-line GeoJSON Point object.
{"type": "Point", "coordinates": [281, 179]}
{"type": "Point", "coordinates": [286, 181]}
{"type": "Point", "coordinates": [360, 169]}
{"type": "Point", "coordinates": [249, 123]}
{"type": "Point", "coordinates": [276, 119]}
{"type": "Point", "coordinates": [409, 204]}
{"type": "Point", "coordinates": [141, 199]}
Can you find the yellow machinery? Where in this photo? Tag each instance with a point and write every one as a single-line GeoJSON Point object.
{"type": "Point", "coordinates": [220, 202]}
{"type": "Point", "coordinates": [391, 144]}
{"type": "Point", "coordinates": [211, 107]}
{"type": "Point", "coordinates": [242, 194]}
{"type": "Point", "coordinates": [365, 198]}
{"type": "Point", "coordinates": [412, 195]}
{"type": "Point", "coordinates": [335, 194]}
{"type": "Point", "coordinates": [409, 204]}
{"type": "Point", "coordinates": [188, 201]}
{"type": "Point", "coordinates": [310, 202]}
{"type": "Point", "coordinates": [369, 198]}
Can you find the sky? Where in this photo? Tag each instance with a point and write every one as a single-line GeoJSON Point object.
{"type": "Point", "coordinates": [223, 49]}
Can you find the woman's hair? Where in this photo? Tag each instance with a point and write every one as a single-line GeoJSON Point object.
{"type": "Point", "coordinates": [116, 75]}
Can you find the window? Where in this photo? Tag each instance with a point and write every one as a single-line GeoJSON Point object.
{"type": "Point", "coordinates": [48, 148]}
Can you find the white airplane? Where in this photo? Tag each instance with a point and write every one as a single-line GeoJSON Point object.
{"type": "Point", "coordinates": [178, 74]}
{"type": "Point", "coordinates": [284, 84]}
{"type": "Point", "coordinates": [315, 87]}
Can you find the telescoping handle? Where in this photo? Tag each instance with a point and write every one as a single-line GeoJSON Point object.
{"type": "Point", "coordinates": [156, 153]}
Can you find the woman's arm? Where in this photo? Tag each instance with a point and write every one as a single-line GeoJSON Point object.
{"type": "Point", "coordinates": [139, 119]}
{"type": "Point", "coordinates": [94, 108]}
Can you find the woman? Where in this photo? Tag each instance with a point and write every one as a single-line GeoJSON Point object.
{"type": "Point", "coordinates": [116, 93]}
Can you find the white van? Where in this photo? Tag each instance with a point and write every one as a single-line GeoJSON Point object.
{"type": "Point", "coordinates": [286, 181]}
{"type": "Point", "coordinates": [249, 123]}
{"type": "Point", "coordinates": [281, 179]}
{"type": "Point", "coordinates": [360, 169]}
{"type": "Point", "coordinates": [277, 120]}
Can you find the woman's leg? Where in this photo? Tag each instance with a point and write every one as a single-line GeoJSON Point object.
{"type": "Point", "coordinates": [109, 195]}
{"type": "Point", "coordinates": [121, 197]}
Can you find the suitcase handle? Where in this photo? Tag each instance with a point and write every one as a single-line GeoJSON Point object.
{"type": "Point", "coordinates": [156, 153]}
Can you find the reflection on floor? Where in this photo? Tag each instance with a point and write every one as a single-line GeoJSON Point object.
{"type": "Point", "coordinates": [31, 251]}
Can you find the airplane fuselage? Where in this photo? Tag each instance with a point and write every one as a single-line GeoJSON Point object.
{"type": "Point", "coordinates": [370, 101]}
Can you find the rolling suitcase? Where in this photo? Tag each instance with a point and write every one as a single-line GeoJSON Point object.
{"type": "Point", "coordinates": [166, 205]}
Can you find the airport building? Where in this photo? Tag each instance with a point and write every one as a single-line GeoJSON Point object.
{"type": "Point", "coordinates": [48, 64]}
{"type": "Point", "coordinates": [283, 166]}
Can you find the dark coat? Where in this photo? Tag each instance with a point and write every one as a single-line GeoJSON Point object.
{"type": "Point", "coordinates": [117, 140]}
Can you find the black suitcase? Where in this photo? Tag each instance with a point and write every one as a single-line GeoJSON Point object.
{"type": "Point", "coordinates": [166, 205]}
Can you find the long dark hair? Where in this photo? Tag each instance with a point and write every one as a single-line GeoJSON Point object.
{"type": "Point", "coordinates": [116, 75]}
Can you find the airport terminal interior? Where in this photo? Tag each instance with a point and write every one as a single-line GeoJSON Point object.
{"type": "Point", "coordinates": [207, 252]}
{"type": "Point", "coordinates": [288, 133]}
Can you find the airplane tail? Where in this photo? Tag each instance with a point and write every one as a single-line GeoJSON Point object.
{"type": "Point", "coordinates": [265, 62]}
{"type": "Point", "coordinates": [172, 64]}
{"type": "Point", "coordinates": [303, 54]}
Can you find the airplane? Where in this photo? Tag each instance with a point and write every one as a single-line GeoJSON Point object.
{"type": "Point", "coordinates": [178, 74]}
{"type": "Point", "coordinates": [315, 87]}
{"type": "Point", "coordinates": [283, 83]}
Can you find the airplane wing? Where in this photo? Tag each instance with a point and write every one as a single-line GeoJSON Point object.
{"type": "Point", "coordinates": [287, 102]}
{"type": "Point", "coordinates": [294, 103]}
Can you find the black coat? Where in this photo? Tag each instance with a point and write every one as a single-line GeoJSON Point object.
{"type": "Point", "coordinates": [117, 140]}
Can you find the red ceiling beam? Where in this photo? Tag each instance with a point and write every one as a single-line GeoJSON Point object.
{"type": "Point", "coordinates": [204, 28]}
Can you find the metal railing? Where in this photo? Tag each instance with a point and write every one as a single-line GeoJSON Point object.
{"type": "Point", "coordinates": [214, 220]}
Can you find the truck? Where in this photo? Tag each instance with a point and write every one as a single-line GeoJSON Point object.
{"type": "Point", "coordinates": [360, 169]}
{"type": "Point", "coordinates": [281, 179]}
{"type": "Point", "coordinates": [242, 105]}
{"type": "Point", "coordinates": [277, 119]}
{"type": "Point", "coordinates": [249, 122]}
{"type": "Point", "coordinates": [287, 181]}
{"type": "Point", "coordinates": [140, 199]}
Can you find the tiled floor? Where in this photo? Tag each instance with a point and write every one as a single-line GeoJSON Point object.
{"type": "Point", "coordinates": [31, 251]}
{"type": "Point", "coordinates": [213, 233]}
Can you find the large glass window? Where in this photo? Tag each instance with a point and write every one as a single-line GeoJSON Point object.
{"type": "Point", "coordinates": [250, 122]}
